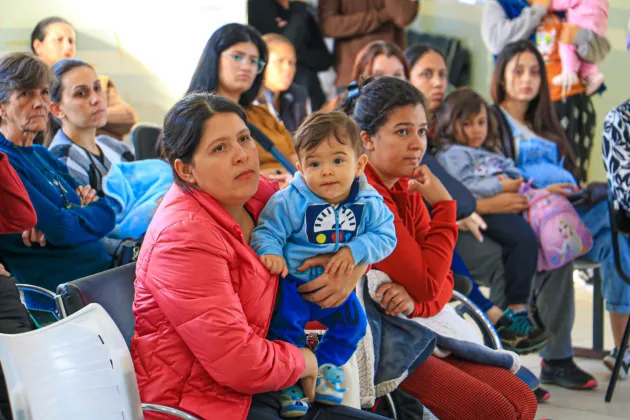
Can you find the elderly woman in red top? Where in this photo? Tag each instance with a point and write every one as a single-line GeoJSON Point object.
{"type": "Point", "coordinates": [203, 299]}
{"type": "Point", "coordinates": [393, 121]}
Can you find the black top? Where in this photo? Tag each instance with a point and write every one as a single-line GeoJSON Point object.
{"type": "Point", "coordinates": [466, 203]}
{"type": "Point", "coordinates": [301, 28]}
{"type": "Point", "coordinates": [294, 106]}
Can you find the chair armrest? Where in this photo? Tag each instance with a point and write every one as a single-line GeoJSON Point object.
{"type": "Point", "coordinates": [157, 408]}
{"type": "Point", "coordinates": [32, 288]}
{"type": "Point", "coordinates": [480, 319]}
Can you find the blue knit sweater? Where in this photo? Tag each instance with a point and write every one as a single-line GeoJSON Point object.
{"type": "Point", "coordinates": [73, 233]}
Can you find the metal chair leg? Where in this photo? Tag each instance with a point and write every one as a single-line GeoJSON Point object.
{"type": "Point", "coordinates": [392, 406]}
{"type": "Point", "coordinates": [490, 337]}
{"type": "Point", "coordinates": [615, 374]}
{"type": "Point", "coordinates": [598, 311]}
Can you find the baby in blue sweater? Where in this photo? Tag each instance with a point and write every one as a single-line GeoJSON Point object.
{"type": "Point", "coordinates": [328, 208]}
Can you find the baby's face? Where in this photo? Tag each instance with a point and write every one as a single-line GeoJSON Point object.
{"type": "Point", "coordinates": [330, 169]}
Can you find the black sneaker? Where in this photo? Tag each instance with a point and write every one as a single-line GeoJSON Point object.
{"type": "Point", "coordinates": [566, 374]}
{"type": "Point", "coordinates": [518, 334]}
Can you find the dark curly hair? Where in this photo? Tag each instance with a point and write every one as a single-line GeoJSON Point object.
{"type": "Point", "coordinates": [377, 99]}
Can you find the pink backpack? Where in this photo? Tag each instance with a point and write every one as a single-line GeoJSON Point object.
{"type": "Point", "coordinates": [562, 235]}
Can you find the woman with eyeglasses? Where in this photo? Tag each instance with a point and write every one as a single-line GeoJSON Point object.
{"type": "Point", "coordinates": [232, 65]}
{"type": "Point", "coordinates": [71, 219]}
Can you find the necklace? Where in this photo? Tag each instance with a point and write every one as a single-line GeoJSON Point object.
{"type": "Point", "coordinates": [55, 183]}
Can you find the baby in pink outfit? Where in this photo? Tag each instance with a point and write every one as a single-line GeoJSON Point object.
{"type": "Point", "coordinates": [590, 15]}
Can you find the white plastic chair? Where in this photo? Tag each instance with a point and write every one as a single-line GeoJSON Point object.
{"type": "Point", "coordinates": [77, 368]}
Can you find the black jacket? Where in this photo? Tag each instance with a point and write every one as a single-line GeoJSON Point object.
{"type": "Point", "coordinates": [294, 106]}
{"type": "Point", "coordinates": [466, 203]}
{"type": "Point", "coordinates": [304, 33]}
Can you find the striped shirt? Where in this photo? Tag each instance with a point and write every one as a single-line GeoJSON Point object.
{"type": "Point", "coordinates": [86, 167]}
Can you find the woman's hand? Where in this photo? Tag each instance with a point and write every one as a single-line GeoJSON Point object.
{"type": "Point", "coordinates": [33, 236]}
{"type": "Point", "coordinates": [503, 203]}
{"type": "Point", "coordinates": [280, 175]}
{"type": "Point", "coordinates": [475, 224]}
{"type": "Point", "coordinates": [308, 378]}
{"type": "Point", "coordinates": [4, 272]}
{"type": "Point", "coordinates": [87, 194]}
{"type": "Point", "coordinates": [564, 189]}
{"type": "Point", "coordinates": [511, 185]}
{"type": "Point", "coordinates": [424, 182]}
{"type": "Point", "coordinates": [325, 291]}
{"type": "Point", "coordinates": [395, 300]}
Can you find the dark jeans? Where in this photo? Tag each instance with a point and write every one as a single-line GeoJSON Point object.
{"type": "Point", "coordinates": [459, 268]}
{"type": "Point", "coordinates": [520, 254]}
{"type": "Point", "coordinates": [267, 407]}
{"type": "Point", "coordinates": [14, 319]}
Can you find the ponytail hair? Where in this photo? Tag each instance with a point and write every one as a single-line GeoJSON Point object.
{"type": "Point", "coordinates": [371, 103]}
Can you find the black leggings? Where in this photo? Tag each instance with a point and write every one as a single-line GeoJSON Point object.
{"type": "Point", "coordinates": [267, 407]}
{"type": "Point", "coordinates": [520, 254]}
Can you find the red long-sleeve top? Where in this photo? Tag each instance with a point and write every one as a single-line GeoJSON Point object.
{"type": "Point", "coordinates": [16, 211]}
{"type": "Point", "coordinates": [422, 258]}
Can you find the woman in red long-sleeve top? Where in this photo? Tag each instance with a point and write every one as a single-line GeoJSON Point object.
{"type": "Point", "coordinates": [429, 285]}
{"type": "Point", "coordinates": [392, 118]}
{"type": "Point", "coordinates": [16, 211]}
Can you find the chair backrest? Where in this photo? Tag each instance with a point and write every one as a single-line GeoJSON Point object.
{"type": "Point", "coordinates": [77, 368]}
{"type": "Point", "coordinates": [144, 137]}
{"type": "Point", "coordinates": [112, 289]}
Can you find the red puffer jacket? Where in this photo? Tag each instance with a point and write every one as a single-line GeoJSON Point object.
{"type": "Point", "coordinates": [202, 309]}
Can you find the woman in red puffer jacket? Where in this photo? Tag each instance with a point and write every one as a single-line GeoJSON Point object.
{"type": "Point", "coordinates": [203, 300]}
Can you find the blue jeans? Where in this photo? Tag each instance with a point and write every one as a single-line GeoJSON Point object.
{"type": "Point", "coordinates": [459, 267]}
{"type": "Point", "coordinates": [615, 290]}
{"type": "Point", "coordinates": [346, 324]}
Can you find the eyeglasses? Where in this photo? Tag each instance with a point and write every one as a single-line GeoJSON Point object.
{"type": "Point", "coordinates": [258, 62]}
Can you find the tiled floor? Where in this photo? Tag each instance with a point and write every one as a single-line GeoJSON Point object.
{"type": "Point", "coordinates": [584, 405]}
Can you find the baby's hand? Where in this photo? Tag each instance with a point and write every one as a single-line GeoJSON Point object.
{"type": "Point", "coordinates": [341, 264]}
{"type": "Point", "coordinates": [275, 264]}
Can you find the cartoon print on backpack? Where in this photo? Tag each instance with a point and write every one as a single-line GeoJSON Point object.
{"type": "Point", "coordinates": [572, 242]}
{"type": "Point", "coordinates": [546, 42]}
{"type": "Point", "coordinates": [562, 235]}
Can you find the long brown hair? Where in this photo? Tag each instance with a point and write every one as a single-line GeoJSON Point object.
{"type": "Point", "coordinates": [363, 64]}
{"type": "Point", "coordinates": [460, 106]}
{"type": "Point", "coordinates": [363, 68]}
{"type": "Point", "coordinates": [541, 115]}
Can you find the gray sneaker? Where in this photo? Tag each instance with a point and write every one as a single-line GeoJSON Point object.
{"type": "Point", "coordinates": [609, 361]}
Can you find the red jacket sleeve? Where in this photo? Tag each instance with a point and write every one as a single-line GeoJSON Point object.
{"type": "Point", "coordinates": [206, 312]}
{"type": "Point", "coordinates": [16, 211]}
{"type": "Point", "coordinates": [421, 264]}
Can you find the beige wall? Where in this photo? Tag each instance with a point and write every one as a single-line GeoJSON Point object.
{"type": "Point", "coordinates": [451, 17]}
{"type": "Point", "coordinates": [150, 50]}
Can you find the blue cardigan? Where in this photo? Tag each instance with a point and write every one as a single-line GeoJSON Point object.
{"type": "Point", "coordinates": [73, 233]}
